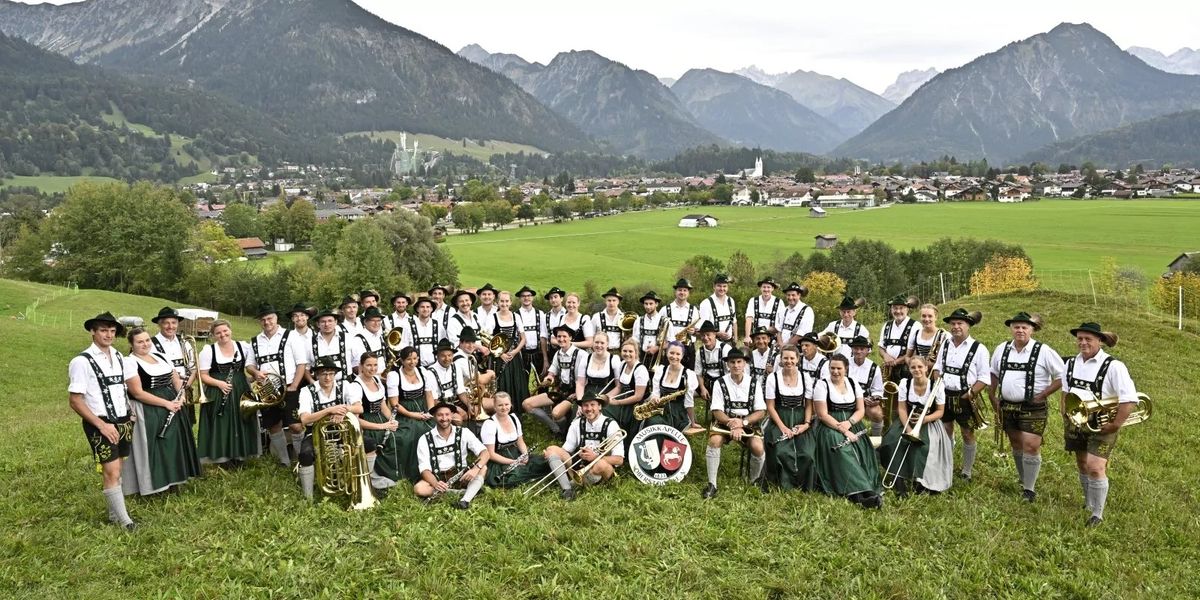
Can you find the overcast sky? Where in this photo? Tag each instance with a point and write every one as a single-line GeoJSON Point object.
{"type": "Point", "coordinates": [868, 42]}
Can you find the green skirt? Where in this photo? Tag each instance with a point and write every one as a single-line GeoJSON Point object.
{"type": "Point", "coordinates": [407, 434]}
{"type": "Point", "coordinates": [513, 379]}
{"type": "Point", "coordinates": [913, 465]}
{"type": "Point", "coordinates": [158, 464]}
{"type": "Point", "coordinates": [227, 436]}
{"type": "Point", "coordinates": [790, 464]}
{"type": "Point", "coordinates": [535, 469]}
{"type": "Point", "coordinates": [850, 469]}
{"type": "Point", "coordinates": [623, 415]}
{"type": "Point", "coordinates": [387, 456]}
{"type": "Point", "coordinates": [674, 414]}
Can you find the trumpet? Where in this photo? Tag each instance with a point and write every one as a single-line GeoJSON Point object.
{"type": "Point", "coordinates": [913, 437]}
{"type": "Point", "coordinates": [578, 477]}
{"type": "Point", "coordinates": [748, 431]}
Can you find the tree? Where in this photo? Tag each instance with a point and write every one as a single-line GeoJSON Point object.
{"type": "Point", "coordinates": [1004, 274]}
{"type": "Point", "coordinates": [541, 203]}
{"type": "Point", "coordinates": [560, 211]}
{"type": "Point", "coordinates": [498, 212]}
{"type": "Point", "coordinates": [805, 175]}
{"type": "Point", "coordinates": [600, 203]}
{"type": "Point", "coordinates": [416, 257]}
{"type": "Point", "coordinates": [325, 237]}
{"type": "Point", "coordinates": [526, 212]}
{"type": "Point", "coordinates": [741, 270]}
{"type": "Point", "coordinates": [513, 195]}
{"type": "Point", "coordinates": [301, 219]}
{"type": "Point", "coordinates": [215, 244]}
{"type": "Point", "coordinates": [700, 268]}
{"type": "Point", "coordinates": [468, 217]}
{"type": "Point", "coordinates": [722, 193]}
{"type": "Point", "coordinates": [433, 212]}
{"type": "Point", "coordinates": [241, 220]}
{"type": "Point", "coordinates": [581, 205]}
{"type": "Point", "coordinates": [142, 230]}
{"type": "Point", "coordinates": [363, 247]}
{"type": "Point", "coordinates": [273, 221]}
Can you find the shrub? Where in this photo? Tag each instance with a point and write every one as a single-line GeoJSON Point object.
{"type": "Point", "coordinates": [1003, 274]}
{"type": "Point", "coordinates": [1165, 294]}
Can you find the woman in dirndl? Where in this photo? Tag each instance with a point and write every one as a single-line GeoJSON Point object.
{"type": "Point", "coordinates": [633, 379]}
{"type": "Point", "coordinates": [510, 461]}
{"type": "Point", "coordinates": [225, 436]}
{"type": "Point", "coordinates": [673, 378]}
{"type": "Point", "coordinates": [788, 436]}
{"type": "Point", "coordinates": [410, 395]}
{"type": "Point", "coordinates": [846, 463]}
{"type": "Point", "coordinates": [512, 377]}
{"type": "Point", "coordinates": [164, 451]}
{"type": "Point", "coordinates": [378, 426]}
{"type": "Point", "coordinates": [928, 466]}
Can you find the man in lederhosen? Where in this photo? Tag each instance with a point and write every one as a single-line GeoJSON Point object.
{"type": "Point", "coordinates": [443, 451]}
{"type": "Point", "coordinates": [167, 343]}
{"type": "Point", "coordinates": [607, 321]}
{"type": "Point", "coordinates": [349, 315]}
{"type": "Point", "coordinates": [450, 380]}
{"type": "Point", "coordinates": [585, 435]}
{"type": "Point", "coordinates": [399, 317]}
{"type": "Point", "coordinates": [440, 312]}
{"type": "Point", "coordinates": [647, 327]}
{"type": "Point", "coordinates": [425, 331]}
{"type": "Point", "coordinates": [97, 394]}
{"type": "Point", "coordinates": [369, 340]}
{"type": "Point", "coordinates": [367, 299]}
{"type": "Point", "coordinates": [710, 361]}
{"type": "Point", "coordinates": [763, 310]}
{"type": "Point", "coordinates": [1025, 372]}
{"type": "Point", "coordinates": [326, 398]}
{"type": "Point", "coordinates": [763, 354]}
{"type": "Point", "coordinates": [486, 311]}
{"type": "Point", "coordinates": [721, 310]}
{"type": "Point", "coordinates": [556, 314]}
{"type": "Point", "coordinates": [280, 352]}
{"type": "Point", "coordinates": [565, 381]}
{"type": "Point", "coordinates": [534, 334]}
{"type": "Point", "coordinates": [894, 337]}
{"type": "Point", "coordinates": [738, 404]}
{"type": "Point", "coordinates": [682, 319]}
{"type": "Point", "coordinates": [847, 328]}
{"type": "Point", "coordinates": [468, 353]}
{"type": "Point", "coordinates": [796, 318]}
{"type": "Point", "coordinates": [1106, 377]}
{"type": "Point", "coordinates": [813, 364]}
{"type": "Point", "coordinates": [331, 341]}
{"type": "Point", "coordinates": [867, 375]}
{"type": "Point", "coordinates": [964, 363]}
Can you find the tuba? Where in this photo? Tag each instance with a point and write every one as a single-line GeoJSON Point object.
{"type": "Point", "coordinates": [341, 463]}
{"type": "Point", "coordinates": [267, 393]}
{"type": "Point", "coordinates": [1084, 411]}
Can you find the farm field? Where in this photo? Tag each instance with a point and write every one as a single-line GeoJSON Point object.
{"type": "Point", "coordinates": [648, 246]}
{"type": "Point", "coordinates": [52, 184]}
{"type": "Point", "coordinates": [472, 148]}
{"type": "Point", "coordinates": [247, 532]}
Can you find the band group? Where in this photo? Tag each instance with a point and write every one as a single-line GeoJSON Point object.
{"type": "Point", "coordinates": [362, 401]}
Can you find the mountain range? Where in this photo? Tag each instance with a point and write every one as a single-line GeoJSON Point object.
{"type": "Point", "coordinates": [1171, 139]}
{"type": "Point", "coordinates": [1049, 88]}
{"type": "Point", "coordinates": [753, 115]}
{"type": "Point", "coordinates": [326, 63]}
{"type": "Point", "coordinates": [847, 105]}
{"type": "Point", "coordinates": [1184, 60]}
{"type": "Point", "coordinates": [908, 82]}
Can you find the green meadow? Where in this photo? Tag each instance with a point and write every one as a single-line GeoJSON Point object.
{"type": "Point", "coordinates": [52, 184]}
{"type": "Point", "coordinates": [649, 246]}
{"type": "Point", "coordinates": [481, 150]}
{"type": "Point", "coordinates": [246, 533]}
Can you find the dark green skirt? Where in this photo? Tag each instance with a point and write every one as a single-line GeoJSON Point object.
{"type": "Point", "coordinates": [535, 469]}
{"type": "Point", "coordinates": [674, 414]}
{"type": "Point", "coordinates": [850, 469]}
{"type": "Point", "coordinates": [790, 464]}
{"type": "Point", "coordinates": [513, 378]}
{"type": "Point", "coordinates": [387, 456]}
{"type": "Point", "coordinates": [407, 435]}
{"type": "Point", "coordinates": [623, 415]}
{"type": "Point", "coordinates": [227, 436]}
{"type": "Point", "coordinates": [158, 464]}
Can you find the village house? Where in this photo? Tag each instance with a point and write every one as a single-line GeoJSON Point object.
{"type": "Point", "coordinates": [826, 241]}
{"type": "Point", "coordinates": [253, 248]}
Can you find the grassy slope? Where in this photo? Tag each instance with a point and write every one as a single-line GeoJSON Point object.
{"type": "Point", "coordinates": [52, 184]}
{"type": "Point", "coordinates": [181, 156]}
{"type": "Point", "coordinates": [648, 246]}
{"type": "Point", "coordinates": [247, 533]}
{"type": "Point", "coordinates": [472, 149]}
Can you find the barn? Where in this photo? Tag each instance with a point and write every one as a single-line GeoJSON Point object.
{"type": "Point", "coordinates": [698, 221]}
{"type": "Point", "coordinates": [826, 240]}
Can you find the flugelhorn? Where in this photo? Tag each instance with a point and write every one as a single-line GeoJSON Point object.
{"type": "Point", "coordinates": [748, 431]}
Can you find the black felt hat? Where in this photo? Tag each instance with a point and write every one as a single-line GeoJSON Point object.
{"type": "Point", "coordinates": [350, 298]}
{"type": "Point", "coordinates": [651, 295]}
{"type": "Point", "coordinates": [487, 287]}
{"type": "Point", "coordinates": [365, 293]}
{"type": "Point", "coordinates": [438, 286]}
{"type": "Point", "coordinates": [860, 342]}
{"type": "Point", "coordinates": [264, 310]}
{"type": "Point", "coordinates": [1107, 337]}
{"type": "Point", "coordinates": [400, 295]}
{"type": "Point", "coordinates": [848, 303]}
{"type": "Point", "coordinates": [440, 405]}
{"type": "Point", "coordinates": [795, 287]}
{"type": "Point", "coordinates": [683, 283]}
{"type": "Point", "coordinates": [326, 312]}
{"type": "Point", "coordinates": [721, 278]}
{"type": "Point", "coordinates": [325, 363]}
{"type": "Point", "coordinates": [468, 335]}
{"type": "Point", "coordinates": [299, 307]}
{"type": "Point", "coordinates": [708, 327]}
{"type": "Point", "coordinates": [526, 290]}
{"type": "Point", "coordinates": [454, 298]}
{"type": "Point", "coordinates": [443, 345]}
{"type": "Point", "coordinates": [1024, 317]}
{"type": "Point", "coordinates": [768, 281]}
{"type": "Point", "coordinates": [371, 313]}
{"type": "Point", "coordinates": [612, 291]}
{"type": "Point", "coordinates": [961, 314]}
{"type": "Point", "coordinates": [166, 312]}
{"type": "Point", "coordinates": [735, 354]}
{"type": "Point", "coordinates": [555, 290]}
{"type": "Point", "coordinates": [106, 318]}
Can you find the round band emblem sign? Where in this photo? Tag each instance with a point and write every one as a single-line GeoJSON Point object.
{"type": "Point", "coordinates": [661, 453]}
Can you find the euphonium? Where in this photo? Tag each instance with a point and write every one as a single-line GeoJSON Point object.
{"type": "Point", "coordinates": [654, 408]}
{"type": "Point", "coordinates": [1087, 412]}
{"type": "Point", "coordinates": [267, 393]}
{"type": "Point", "coordinates": [341, 463]}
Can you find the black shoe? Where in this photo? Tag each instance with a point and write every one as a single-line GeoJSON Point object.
{"type": "Point", "coordinates": [872, 501]}
{"type": "Point", "coordinates": [462, 505]}
{"type": "Point", "coordinates": [1093, 521]}
{"type": "Point", "coordinates": [710, 491]}
{"type": "Point", "coordinates": [130, 526]}
{"type": "Point", "coordinates": [964, 476]}
{"type": "Point", "coordinates": [379, 493]}
{"type": "Point", "coordinates": [1029, 495]}
{"type": "Point", "coordinates": [567, 494]}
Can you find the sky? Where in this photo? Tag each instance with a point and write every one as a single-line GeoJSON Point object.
{"type": "Point", "coordinates": [868, 42]}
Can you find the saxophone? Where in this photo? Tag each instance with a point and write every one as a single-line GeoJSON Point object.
{"type": "Point", "coordinates": [654, 408]}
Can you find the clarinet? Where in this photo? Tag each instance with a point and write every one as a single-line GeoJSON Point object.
{"type": "Point", "coordinates": [520, 460]}
{"type": "Point", "coordinates": [162, 433]}
{"type": "Point", "coordinates": [449, 484]}
{"type": "Point", "coordinates": [225, 396]}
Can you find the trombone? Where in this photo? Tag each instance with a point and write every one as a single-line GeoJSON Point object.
{"type": "Point", "coordinates": [578, 476]}
{"type": "Point", "coordinates": [912, 437]}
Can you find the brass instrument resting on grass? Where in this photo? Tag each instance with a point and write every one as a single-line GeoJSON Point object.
{"type": "Point", "coordinates": [341, 462]}
{"type": "Point", "coordinates": [1086, 412]}
{"type": "Point", "coordinates": [578, 476]}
